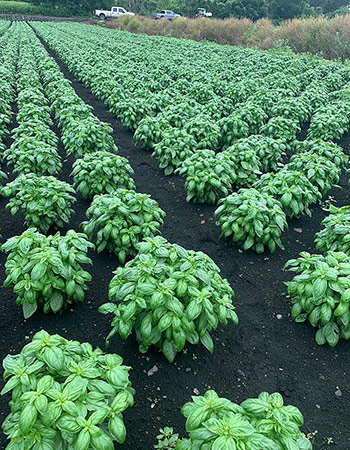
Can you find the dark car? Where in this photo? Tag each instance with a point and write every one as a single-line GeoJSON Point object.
{"type": "Point", "coordinates": [165, 13]}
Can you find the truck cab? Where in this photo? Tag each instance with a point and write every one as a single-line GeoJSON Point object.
{"type": "Point", "coordinates": [115, 12]}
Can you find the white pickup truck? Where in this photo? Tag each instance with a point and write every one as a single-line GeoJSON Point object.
{"type": "Point", "coordinates": [115, 12]}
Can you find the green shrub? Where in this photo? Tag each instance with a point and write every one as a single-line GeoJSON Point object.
{"type": "Point", "coordinates": [208, 176]}
{"type": "Point", "coordinates": [87, 136]}
{"type": "Point", "coordinates": [176, 145]}
{"type": "Point", "coordinates": [321, 293]}
{"type": "Point", "coordinates": [253, 219]}
{"type": "Point", "coordinates": [292, 189]}
{"type": "Point", "coordinates": [45, 202]}
{"type": "Point", "coordinates": [245, 162]}
{"type": "Point", "coordinates": [329, 150]}
{"type": "Point", "coordinates": [257, 423]}
{"type": "Point", "coordinates": [169, 296]}
{"type": "Point", "coordinates": [335, 236]}
{"type": "Point", "coordinates": [65, 395]}
{"type": "Point", "coordinates": [101, 172]}
{"type": "Point", "coordinates": [121, 220]}
{"type": "Point", "coordinates": [45, 270]}
{"type": "Point", "coordinates": [320, 171]}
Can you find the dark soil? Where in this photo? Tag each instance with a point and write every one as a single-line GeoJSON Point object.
{"type": "Point", "coordinates": [261, 353]}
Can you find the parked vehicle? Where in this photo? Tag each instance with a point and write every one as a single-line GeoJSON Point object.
{"type": "Point", "coordinates": [165, 13]}
{"type": "Point", "coordinates": [202, 12]}
{"type": "Point", "coordinates": [115, 12]}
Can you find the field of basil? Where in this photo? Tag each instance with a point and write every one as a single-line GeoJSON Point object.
{"type": "Point", "coordinates": [169, 184]}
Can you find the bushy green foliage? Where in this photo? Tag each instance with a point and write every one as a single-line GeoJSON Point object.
{"type": "Point", "coordinates": [120, 220]}
{"type": "Point", "coordinates": [176, 145]}
{"type": "Point", "coordinates": [281, 128]}
{"type": "Point", "coordinates": [44, 201]}
{"type": "Point", "coordinates": [253, 219]}
{"type": "Point", "coordinates": [150, 130]}
{"type": "Point", "coordinates": [232, 128]}
{"type": "Point", "coordinates": [321, 294]}
{"type": "Point", "coordinates": [101, 172]}
{"type": "Point", "coordinates": [292, 189]}
{"type": "Point", "coordinates": [245, 162]}
{"type": "Point", "coordinates": [208, 176]}
{"type": "Point", "coordinates": [320, 171]}
{"type": "Point", "coordinates": [31, 155]}
{"type": "Point", "coordinates": [169, 296]}
{"type": "Point", "coordinates": [45, 270]}
{"type": "Point", "coordinates": [257, 423]}
{"type": "Point", "coordinates": [65, 395]}
{"type": "Point", "coordinates": [205, 132]}
{"type": "Point", "coordinates": [328, 125]}
{"type": "Point", "coordinates": [329, 150]}
{"type": "Point", "coordinates": [269, 151]}
{"type": "Point", "coordinates": [335, 235]}
{"type": "Point", "coordinates": [87, 136]}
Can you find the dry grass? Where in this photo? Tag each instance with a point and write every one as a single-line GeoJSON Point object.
{"type": "Point", "coordinates": [329, 37]}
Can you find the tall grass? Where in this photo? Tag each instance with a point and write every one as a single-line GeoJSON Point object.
{"type": "Point", "coordinates": [11, 7]}
{"type": "Point", "coordinates": [320, 35]}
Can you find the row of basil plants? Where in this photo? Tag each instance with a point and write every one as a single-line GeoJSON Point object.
{"type": "Point", "coordinates": [8, 48]}
{"type": "Point", "coordinates": [65, 394]}
{"type": "Point", "coordinates": [46, 271]}
{"type": "Point", "coordinates": [62, 392]}
{"type": "Point", "coordinates": [209, 176]}
{"type": "Point", "coordinates": [187, 115]}
{"type": "Point", "coordinates": [320, 292]}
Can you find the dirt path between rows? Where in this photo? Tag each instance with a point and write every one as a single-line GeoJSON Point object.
{"type": "Point", "coordinates": [264, 352]}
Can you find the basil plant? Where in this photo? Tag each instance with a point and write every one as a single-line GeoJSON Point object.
{"type": "Point", "coordinates": [321, 294]}
{"type": "Point", "coordinates": [253, 219]}
{"type": "Point", "coordinates": [335, 235]}
{"type": "Point", "coordinates": [65, 395]}
{"type": "Point", "coordinates": [44, 201]}
{"type": "Point", "coordinates": [176, 145]}
{"type": "Point", "coordinates": [31, 155]}
{"type": "Point", "coordinates": [86, 136]}
{"type": "Point", "coordinates": [329, 150]}
{"type": "Point", "coordinates": [292, 189]}
{"type": "Point", "coordinates": [101, 172]}
{"type": "Point", "coordinates": [169, 296]}
{"type": "Point", "coordinates": [45, 271]}
{"type": "Point", "coordinates": [208, 176]}
{"type": "Point", "coordinates": [319, 170]}
{"type": "Point", "coordinates": [262, 423]}
{"type": "Point", "coordinates": [121, 220]}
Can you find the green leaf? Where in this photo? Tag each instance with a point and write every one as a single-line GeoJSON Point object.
{"type": "Point", "coordinates": [207, 341]}
{"type": "Point", "coordinates": [56, 301]}
{"type": "Point", "coordinates": [319, 288]}
{"type": "Point", "coordinates": [29, 309]}
{"type": "Point", "coordinates": [224, 443]}
{"type": "Point", "coordinates": [83, 440]}
{"type": "Point", "coordinates": [102, 442]}
{"type": "Point", "coordinates": [168, 351]}
{"type": "Point", "coordinates": [54, 358]}
{"type": "Point", "coordinates": [38, 271]}
{"type": "Point", "coordinates": [117, 429]}
{"type": "Point", "coordinates": [331, 333]}
{"type": "Point", "coordinates": [68, 423]}
{"type": "Point", "coordinates": [27, 419]}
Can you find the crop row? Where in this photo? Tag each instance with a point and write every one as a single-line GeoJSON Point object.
{"type": "Point", "coordinates": [45, 270]}
{"type": "Point", "coordinates": [66, 394]}
{"type": "Point", "coordinates": [205, 134]}
{"type": "Point", "coordinates": [7, 69]}
{"type": "Point", "coordinates": [178, 111]}
{"type": "Point", "coordinates": [321, 291]}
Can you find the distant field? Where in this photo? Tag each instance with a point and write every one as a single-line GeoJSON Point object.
{"type": "Point", "coordinates": [11, 7]}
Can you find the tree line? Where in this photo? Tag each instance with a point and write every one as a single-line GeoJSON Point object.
{"type": "Point", "coordinates": [276, 10]}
